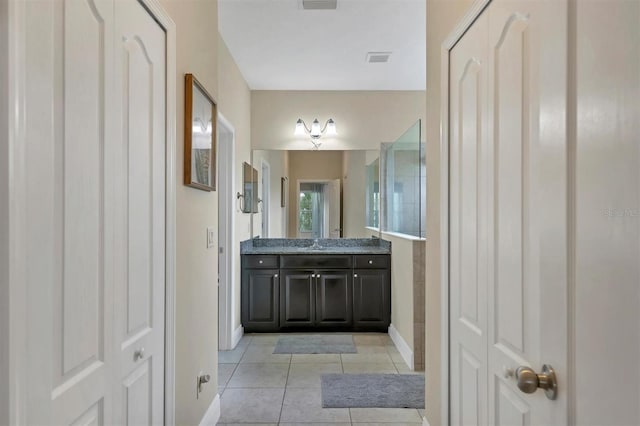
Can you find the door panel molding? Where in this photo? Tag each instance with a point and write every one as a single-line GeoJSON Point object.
{"type": "Point", "coordinates": [31, 176]}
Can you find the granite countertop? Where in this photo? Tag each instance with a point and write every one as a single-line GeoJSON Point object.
{"type": "Point", "coordinates": [305, 246]}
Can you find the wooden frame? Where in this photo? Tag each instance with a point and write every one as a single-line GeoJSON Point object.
{"type": "Point", "coordinates": [200, 113]}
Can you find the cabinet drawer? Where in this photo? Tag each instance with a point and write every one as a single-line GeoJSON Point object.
{"type": "Point", "coordinates": [319, 261]}
{"type": "Point", "coordinates": [363, 261]}
{"type": "Point", "coordinates": [260, 261]}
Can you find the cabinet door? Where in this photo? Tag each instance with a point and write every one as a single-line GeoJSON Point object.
{"type": "Point", "coordinates": [371, 298]}
{"type": "Point", "coordinates": [333, 298]}
{"type": "Point", "coordinates": [297, 298]}
{"type": "Point", "coordinates": [260, 299]}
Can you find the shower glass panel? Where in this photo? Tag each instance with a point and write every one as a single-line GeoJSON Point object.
{"type": "Point", "coordinates": [404, 184]}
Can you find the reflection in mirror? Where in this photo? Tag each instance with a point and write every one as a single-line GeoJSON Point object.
{"type": "Point", "coordinates": [249, 189]}
{"type": "Point", "coordinates": [324, 194]}
{"type": "Point", "coordinates": [373, 193]}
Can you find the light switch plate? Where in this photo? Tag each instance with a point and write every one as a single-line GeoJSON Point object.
{"type": "Point", "coordinates": [211, 236]}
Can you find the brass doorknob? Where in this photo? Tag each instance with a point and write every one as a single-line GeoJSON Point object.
{"type": "Point", "coordinates": [528, 381]}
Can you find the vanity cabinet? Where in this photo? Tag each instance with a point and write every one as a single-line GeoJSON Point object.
{"type": "Point", "coordinates": [316, 292]}
{"type": "Point", "coordinates": [260, 293]}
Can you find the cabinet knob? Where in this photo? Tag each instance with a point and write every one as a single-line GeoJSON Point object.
{"type": "Point", "coordinates": [313, 275]}
{"type": "Point", "coordinates": [355, 275]}
{"type": "Point", "coordinates": [138, 354]}
{"type": "Point", "coordinates": [275, 276]}
{"type": "Point", "coordinates": [260, 262]}
{"type": "Point", "coordinates": [371, 262]}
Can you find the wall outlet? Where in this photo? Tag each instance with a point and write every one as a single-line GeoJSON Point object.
{"type": "Point", "coordinates": [211, 237]}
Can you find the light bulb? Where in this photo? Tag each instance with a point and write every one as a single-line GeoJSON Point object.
{"type": "Point", "coordinates": [300, 130]}
{"type": "Point", "coordinates": [315, 129]}
{"type": "Point", "coordinates": [331, 128]}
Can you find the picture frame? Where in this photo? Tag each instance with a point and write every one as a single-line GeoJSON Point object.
{"type": "Point", "coordinates": [284, 187]}
{"type": "Point", "coordinates": [200, 140]}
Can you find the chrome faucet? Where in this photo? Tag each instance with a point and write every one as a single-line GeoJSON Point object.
{"type": "Point", "coordinates": [315, 244]}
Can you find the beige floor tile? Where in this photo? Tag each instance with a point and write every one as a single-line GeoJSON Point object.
{"type": "Point", "coordinates": [368, 339]}
{"type": "Point", "coordinates": [259, 376]}
{"type": "Point", "coordinates": [404, 369]}
{"type": "Point", "coordinates": [309, 375]}
{"type": "Point", "coordinates": [247, 424]}
{"type": "Point", "coordinates": [264, 354]}
{"type": "Point", "coordinates": [251, 405]}
{"type": "Point", "coordinates": [305, 406]}
{"type": "Point", "coordinates": [371, 349]}
{"type": "Point", "coordinates": [231, 357]}
{"type": "Point", "coordinates": [315, 424]}
{"type": "Point", "coordinates": [264, 339]}
{"type": "Point", "coordinates": [369, 368]}
{"type": "Point", "coordinates": [224, 373]}
{"type": "Point", "coordinates": [366, 358]}
{"type": "Point", "coordinates": [315, 358]}
{"type": "Point", "coordinates": [385, 415]}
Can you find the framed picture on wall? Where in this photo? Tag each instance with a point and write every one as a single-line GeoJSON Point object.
{"type": "Point", "coordinates": [200, 112]}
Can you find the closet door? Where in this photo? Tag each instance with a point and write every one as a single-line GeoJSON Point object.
{"type": "Point", "coordinates": [81, 359]}
{"type": "Point", "coordinates": [508, 215]}
{"type": "Point", "coordinates": [469, 226]}
{"type": "Point", "coordinates": [528, 209]}
{"type": "Point", "coordinates": [140, 74]}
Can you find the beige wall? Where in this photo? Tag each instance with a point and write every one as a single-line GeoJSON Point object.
{"type": "Point", "coordinates": [321, 165]}
{"type": "Point", "coordinates": [363, 119]}
{"type": "Point", "coordinates": [4, 217]}
{"type": "Point", "coordinates": [196, 268]}
{"type": "Point", "coordinates": [354, 195]}
{"type": "Point", "coordinates": [234, 103]}
{"type": "Point", "coordinates": [442, 16]}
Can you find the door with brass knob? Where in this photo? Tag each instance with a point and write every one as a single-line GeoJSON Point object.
{"type": "Point", "coordinates": [507, 209]}
{"type": "Point", "coordinates": [529, 381]}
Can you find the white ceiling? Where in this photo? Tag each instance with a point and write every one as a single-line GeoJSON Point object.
{"type": "Point", "coordinates": [280, 46]}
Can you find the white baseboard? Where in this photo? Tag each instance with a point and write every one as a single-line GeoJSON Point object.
{"type": "Point", "coordinates": [237, 335]}
{"type": "Point", "coordinates": [402, 346]}
{"type": "Point", "coordinates": [212, 415]}
{"type": "Point", "coordinates": [424, 421]}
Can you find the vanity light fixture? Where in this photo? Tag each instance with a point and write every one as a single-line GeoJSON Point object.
{"type": "Point", "coordinates": [316, 132]}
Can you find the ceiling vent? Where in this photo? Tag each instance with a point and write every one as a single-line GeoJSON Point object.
{"type": "Point", "coordinates": [378, 57]}
{"type": "Point", "coordinates": [319, 4]}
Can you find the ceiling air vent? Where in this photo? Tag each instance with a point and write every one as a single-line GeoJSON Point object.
{"type": "Point", "coordinates": [378, 57]}
{"type": "Point", "coordinates": [319, 4]}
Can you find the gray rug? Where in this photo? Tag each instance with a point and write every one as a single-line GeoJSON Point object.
{"type": "Point", "coordinates": [316, 344]}
{"type": "Point", "coordinates": [372, 391]}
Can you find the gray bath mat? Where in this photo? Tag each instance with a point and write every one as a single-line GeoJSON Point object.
{"type": "Point", "coordinates": [372, 391]}
{"type": "Point", "coordinates": [316, 344]}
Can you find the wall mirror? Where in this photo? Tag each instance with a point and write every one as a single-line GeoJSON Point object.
{"type": "Point", "coordinates": [316, 194]}
{"type": "Point", "coordinates": [249, 194]}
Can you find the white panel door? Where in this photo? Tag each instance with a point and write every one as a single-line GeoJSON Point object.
{"type": "Point", "coordinates": [508, 213]}
{"type": "Point", "coordinates": [140, 56]}
{"type": "Point", "coordinates": [82, 358]}
{"type": "Point", "coordinates": [468, 230]}
{"type": "Point", "coordinates": [528, 239]}
{"type": "Point", "coordinates": [333, 203]}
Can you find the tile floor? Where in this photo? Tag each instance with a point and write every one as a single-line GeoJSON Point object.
{"type": "Point", "coordinates": [260, 388]}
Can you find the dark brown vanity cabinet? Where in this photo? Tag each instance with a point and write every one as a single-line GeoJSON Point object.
{"type": "Point", "coordinates": [371, 298]}
{"type": "Point", "coordinates": [297, 299]}
{"type": "Point", "coordinates": [371, 291]}
{"type": "Point", "coordinates": [260, 293]}
{"type": "Point", "coordinates": [320, 298]}
{"type": "Point", "coordinates": [316, 292]}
